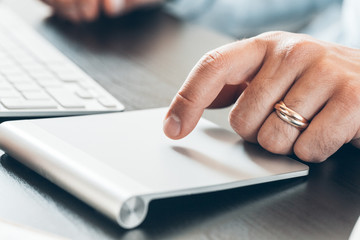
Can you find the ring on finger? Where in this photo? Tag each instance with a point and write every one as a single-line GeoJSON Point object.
{"type": "Point", "coordinates": [290, 116]}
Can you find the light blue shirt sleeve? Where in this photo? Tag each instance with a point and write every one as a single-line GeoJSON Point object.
{"type": "Point", "coordinates": [245, 18]}
{"type": "Point", "coordinates": [350, 28]}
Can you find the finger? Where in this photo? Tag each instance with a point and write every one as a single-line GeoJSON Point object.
{"type": "Point", "coordinates": [257, 101]}
{"type": "Point", "coordinates": [114, 7]}
{"type": "Point", "coordinates": [228, 95]}
{"type": "Point", "coordinates": [286, 60]}
{"type": "Point", "coordinates": [88, 9]}
{"type": "Point", "coordinates": [328, 131]}
{"type": "Point", "coordinates": [67, 9]}
{"type": "Point", "coordinates": [307, 97]}
{"type": "Point", "coordinates": [231, 64]}
{"type": "Point", "coordinates": [117, 7]}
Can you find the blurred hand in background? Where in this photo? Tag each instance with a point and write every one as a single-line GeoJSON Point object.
{"type": "Point", "coordinates": [89, 10]}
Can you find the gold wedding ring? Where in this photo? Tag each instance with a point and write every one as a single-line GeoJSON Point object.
{"type": "Point", "coordinates": [290, 116]}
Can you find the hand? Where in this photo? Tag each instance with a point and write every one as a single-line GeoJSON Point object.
{"type": "Point", "coordinates": [88, 10]}
{"type": "Point", "coordinates": [318, 80]}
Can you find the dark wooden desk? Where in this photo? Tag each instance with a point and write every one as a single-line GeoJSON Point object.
{"type": "Point", "coordinates": [142, 60]}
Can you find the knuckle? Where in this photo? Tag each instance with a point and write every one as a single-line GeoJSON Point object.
{"type": "Point", "coordinates": [183, 99]}
{"type": "Point", "coordinates": [241, 125]}
{"type": "Point", "coordinates": [258, 95]}
{"type": "Point", "coordinates": [290, 44]}
{"type": "Point", "coordinates": [349, 95]}
{"type": "Point", "coordinates": [269, 40]}
{"type": "Point", "coordinates": [260, 42]}
{"type": "Point", "coordinates": [325, 69]}
{"type": "Point", "coordinates": [212, 61]}
{"type": "Point", "coordinates": [272, 35]}
{"type": "Point", "coordinates": [299, 49]}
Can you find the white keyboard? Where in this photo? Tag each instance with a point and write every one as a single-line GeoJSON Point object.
{"type": "Point", "coordinates": [37, 80]}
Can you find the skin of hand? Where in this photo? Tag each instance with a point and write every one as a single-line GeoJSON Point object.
{"type": "Point", "coordinates": [88, 10]}
{"type": "Point", "coordinates": [319, 80]}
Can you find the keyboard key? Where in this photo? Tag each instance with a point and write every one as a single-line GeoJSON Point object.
{"type": "Point", "coordinates": [61, 67]}
{"type": "Point", "coordinates": [21, 78]}
{"type": "Point", "coordinates": [4, 85]}
{"type": "Point", "coordinates": [69, 77]}
{"type": "Point", "coordinates": [29, 86]}
{"type": "Point", "coordinates": [66, 98]}
{"type": "Point", "coordinates": [86, 85]}
{"type": "Point", "coordinates": [6, 62]}
{"type": "Point", "coordinates": [35, 75]}
{"type": "Point", "coordinates": [42, 74]}
{"type": "Point", "coordinates": [32, 66]}
{"type": "Point", "coordinates": [107, 102]}
{"type": "Point", "coordinates": [23, 58]}
{"type": "Point", "coordinates": [36, 95]}
{"type": "Point", "coordinates": [11, 70]}
{"type": "Point", "coordinates": [9, 93]}
{"type": "Point", "coordinates": [84, 94]}
{"type": "Point", "coordinates": [96, 93]}
{"type": "Point", "coordinates": [28, 104]}
{"type": "Point", "coordinates": [50, 82]}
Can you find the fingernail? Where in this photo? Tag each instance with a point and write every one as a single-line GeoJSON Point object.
{"type": "Point", "coordinates": [172, 126]}
{"type": "Point", "coordinates": [117, 6]}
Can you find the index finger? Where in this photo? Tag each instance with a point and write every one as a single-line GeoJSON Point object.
{"type": "Point", "coordinates": [231, 64]}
